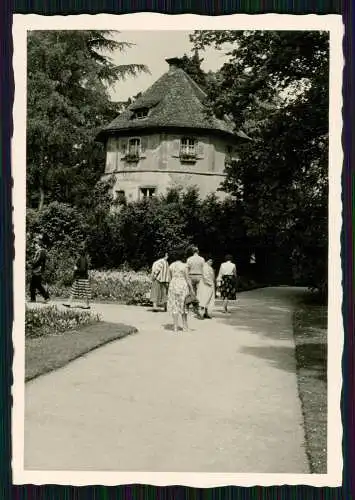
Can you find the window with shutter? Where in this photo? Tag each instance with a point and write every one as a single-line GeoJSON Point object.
{"type": "Point", "coordinates": [188, 149]}
{"type": "Point", "coordinates": [133, 149]}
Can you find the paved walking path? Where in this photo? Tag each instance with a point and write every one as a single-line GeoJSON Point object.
{"type": "Point", "coordinates": [220, 398]}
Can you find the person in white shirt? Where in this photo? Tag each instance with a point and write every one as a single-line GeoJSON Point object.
{"type": "Point", "coordinates": [160, 282]}
{"type": "Point", "coordinates": [227, 281]}
{"type": "Point", "coordinates": [195, 265]}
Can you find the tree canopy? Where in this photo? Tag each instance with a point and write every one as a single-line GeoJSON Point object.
{"type": "Point", "coordinates": [69, 73]}
{"type": "Point", "coordinates": [275, 86]}
{"type": "Point", "coordinates": [192, 66]}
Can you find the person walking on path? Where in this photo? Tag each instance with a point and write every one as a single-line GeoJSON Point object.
{"type": "Point", "coordinates": [160, 283]}
{"type": "Point", "coordinates": [180, 288]}
{"type": "Point", "coordinates": [81, 287]}
{"type": "Point", "coordinates": [227, 281]}
{"type": "Point", "coordinates": [195, 269]}
{"type": "Point", "coordinates": [37, 270]}
{"type": "Point", "coordinates": [206, 289]}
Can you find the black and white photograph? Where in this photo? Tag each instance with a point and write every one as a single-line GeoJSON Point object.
{"type": "Point", "coordinates": [179, 271]}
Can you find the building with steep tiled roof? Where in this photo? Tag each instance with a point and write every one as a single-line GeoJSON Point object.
{"type": "Point", "coordinates": [168, 138]}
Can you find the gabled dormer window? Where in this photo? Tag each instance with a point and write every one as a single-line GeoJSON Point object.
{"type": "Point", "coordinates": [140, 113]}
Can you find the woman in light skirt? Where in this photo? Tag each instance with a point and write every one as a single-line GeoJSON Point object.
{"type": "Point", "coordinates": [81, 286]}
{"type": "Point", "coordinates": [227, 281]}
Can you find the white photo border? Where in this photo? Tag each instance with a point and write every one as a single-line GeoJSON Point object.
{"type": "Point", "coordinates": [186, 22]}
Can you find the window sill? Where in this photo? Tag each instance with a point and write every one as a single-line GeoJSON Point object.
{"type": "Point", "coordinates": [132, 159]}
{"type": "Point", "coordinates": [188, 158]}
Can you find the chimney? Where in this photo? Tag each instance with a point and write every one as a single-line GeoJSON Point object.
{"type": "Point", "coordinates": [174, 63]}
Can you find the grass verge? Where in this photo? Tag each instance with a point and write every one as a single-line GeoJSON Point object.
{"type": "Point", "coordinates": [310, 331]}
{"type": "Point", "coordinates": [50, 352]}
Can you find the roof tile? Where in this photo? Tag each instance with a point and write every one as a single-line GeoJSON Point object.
{"type": "Point", "coordinates": [174, 100]}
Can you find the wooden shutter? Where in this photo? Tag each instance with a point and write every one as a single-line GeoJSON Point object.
{"type": "Point", "coordinates": [154, 141]}
{"type": "Point", "coordinates": [200, 149]}
{"type": "Point", "coordinates": [123, 145]}
{"type": "Point", "coordinates": [144, 145]}
{"type": "Point", "coordinates": [110, 162]}
{"type": "Point", "coordinates": [175, 148]}
{"type": "Point", "coordinates": [116, 147]}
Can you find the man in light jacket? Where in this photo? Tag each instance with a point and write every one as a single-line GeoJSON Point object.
{"type": "Point", "coordinates": [160, 282]}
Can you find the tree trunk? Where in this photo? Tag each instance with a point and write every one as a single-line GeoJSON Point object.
{"type": "Point", "coordinates": [41, 198]}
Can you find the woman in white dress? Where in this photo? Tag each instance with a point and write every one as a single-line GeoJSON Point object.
{"type": "Point", "coordinates": [206, 290]}
{"type": "Point", "coordinates": [179, 288]}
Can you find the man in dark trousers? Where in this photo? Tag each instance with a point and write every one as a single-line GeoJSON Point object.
{"type": "Point", "coordinates": [37, 270]}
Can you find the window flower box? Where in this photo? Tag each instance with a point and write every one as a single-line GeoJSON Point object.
{"type": "Point", "coordinates": [188, 157]}
{"type": "Point", "coordinates": [132, 157]}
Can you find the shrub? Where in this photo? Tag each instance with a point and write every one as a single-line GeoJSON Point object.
{"type": "Point", "coordinates": [53, 321]}
{"type": "Point", "coordinates": [310, 268]}
{"type": "Point", "coordinates": [128, 287]}
{"type": "Point", "coordinates": [138, 234]}
{"type": "Point", "coordinates": [63, 229]}
{"type": "Point", "coordinates": [142, 231]}
{"type": "Point", "coordinates": [60, 266]}
{"type": "Point", "coordinates": [59, 223]}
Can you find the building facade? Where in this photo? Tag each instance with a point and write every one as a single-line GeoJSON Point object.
{"type": "Point", "coordinates": [167, 138]}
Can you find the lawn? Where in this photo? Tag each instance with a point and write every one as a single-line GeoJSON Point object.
{"type": "Point", "coordinates": [50, 352]}
{"type": "Point", "coordinates": [310, 331]}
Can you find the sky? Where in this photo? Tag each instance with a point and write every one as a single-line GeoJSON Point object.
{"type": "Point", "coordinates": [152, 48]}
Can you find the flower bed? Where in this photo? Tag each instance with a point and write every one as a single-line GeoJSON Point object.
{"type": "Point", "coordinates": [128, 287]}
{"type": "Point", "coordinates": [53, 321]}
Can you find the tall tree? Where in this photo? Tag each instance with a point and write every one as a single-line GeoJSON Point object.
{"type": "Point", "coordinates": [69, 73]}
{"type": "Point", "coordinates": [275, 85]}
{"type": "Point", "coordinates": [192, 66]}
